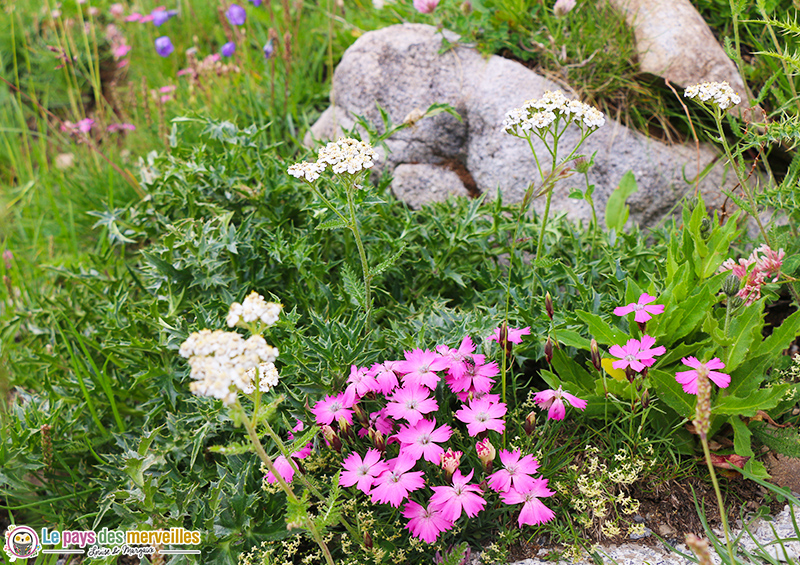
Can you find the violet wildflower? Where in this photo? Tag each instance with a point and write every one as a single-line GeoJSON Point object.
{"type": "Point", "coordinates": [643, 311]}
{"type": "Point", "coordinates": [362, 472]}
{"type": "Point", "coordinates": [269, 49]}
{"type": "Point", "coordinates": [162, 16]}
{"type": "Point", "coordinates": [228, 49]}
{"type": "Point", "coordinates": [164, 46]}
{"type": "Point", "coordinates": [236, 15]}
{"type": "Point", "coordinates": [689, 378]}
{"type": "Point", "coordinates": [533, 511]}
{"type": "Point", "coordinates": [554, 400]}
{"type": "Point", "coordinates": [425, 523]}
{"type": "Point", "coordinates": [461, 496]}
{"type": "Point", "coordinates": [256, 3]}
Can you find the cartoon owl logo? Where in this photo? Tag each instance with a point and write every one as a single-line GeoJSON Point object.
{"type": "Point", "coordinates": [21, 542]}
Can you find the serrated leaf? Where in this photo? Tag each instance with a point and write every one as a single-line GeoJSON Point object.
{"type": "Point", "coordinates": [353, 286]}
{"type": "Point", "coordinates": [332, 224]}
{"type": "Point", "coordinates": [232, 448]}
{"type": "Point", "coordinates": [380, 268]}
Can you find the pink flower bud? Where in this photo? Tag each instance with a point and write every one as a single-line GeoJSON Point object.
{"type": "Point", "coordinates": [425, 6]}
{"type": "Point", "coordinates": [530, 423]}
{"type": "Point", "coordinates": [331, 438]}
{"type": "Point", "coordinates": [7, 258]}
{"type": "Point", "coordinates": [450, 461]}
{"type": "Point", "coordinates": [486, 453]}
{"type": "Point", "coordinates": [563, 7]}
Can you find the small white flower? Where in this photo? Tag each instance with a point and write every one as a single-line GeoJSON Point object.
{"type": "Point", "coordinates": [538, 114]}
{"type": "Point", "coordinates": [718, 93]}
{"type": "Point", "coordinates": [311, 171]}
{"type": "Point", "coordinates": [347, 155]}
{"type": "Point", "coordinates": [253, 308]}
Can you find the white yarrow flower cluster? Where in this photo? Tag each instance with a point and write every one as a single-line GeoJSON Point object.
{"type": "Point", "coordinates": [539, 114]}
{"type": "Point", "coordinates": [253, 308]}
{"type": "Point", "coordinates": [719, 93]}
{"type": "Point", "coordinates": [268, 377]}
{"type": "Point", "coordinates": [220, 362]}
{"type": "Point", "coordinates": [347, 155]}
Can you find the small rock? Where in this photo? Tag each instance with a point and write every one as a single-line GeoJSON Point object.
{"type": "Point", "coordinates": [666, 531]}
{"type": "Point", "coordinates": [647, 532]}
{"type": "Point", "coordinates": [638, 519]}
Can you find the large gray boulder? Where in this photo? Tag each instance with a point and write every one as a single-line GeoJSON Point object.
{"type": "Point", "coordinates": [402, 69]}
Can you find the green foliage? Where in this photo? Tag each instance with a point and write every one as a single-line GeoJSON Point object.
{"type": "Point", "coordinates": [617, 210]}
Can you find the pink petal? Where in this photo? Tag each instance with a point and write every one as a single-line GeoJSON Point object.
{"type": "Point", "coordinates": [624, 310]}
{"type": "Point", "coordinates": [722, 379]}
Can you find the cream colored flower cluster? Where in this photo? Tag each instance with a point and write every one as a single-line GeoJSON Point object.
{"type": "Point", "coordinates": [536, 115]}
{"type": "Point", "coordinates": [719, 93]}
{"type": "Point", "coordinates": [253, 308]}
{"type": "Point", "coordinates": [347, 155]}
{"type": "Point", "coordinates": [268, 377]}
{"type": "Point", "coordinates": [220, 361]}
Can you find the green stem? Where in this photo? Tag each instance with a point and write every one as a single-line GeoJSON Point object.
{"type": "Point", "coordinates": [251, 432]}
{"type": "Point", "coordinates": [722, 516]}
{"type": "Point", "coordinates": [350, 189]}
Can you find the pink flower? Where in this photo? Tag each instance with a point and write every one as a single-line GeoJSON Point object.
{"type": "Point", "coordinates": [636, 354]}
{"type": "Point", "coordinates": [362, 472]}
{"type": "Point", "coordinates": [770, 264]}
{"type": "Point", "coordinates": [298, 427]}
{"type": "Point", "coordinates": [452, 500]}
{"type": "Point", "coordinates": [533, 511]}
{"type": "Point", "coordinates": [483, 415]}
{"type": "Point", "coordinates": [119, 127]}
{"type": "Point", "coordinates": [642, 310]}
{"type": "Point", "coordinates": [421, 440]}
{"type": "Point", "coordinates": [425, 6]}
{"type": "Point", "coordinates": [284, 468]}
{"type": "Point", "coordinates": [134, 17]}
{"type": "Point", "coordinates": [116, 10]}
{"type": "Point", "coordinates": [451, 460]}
{"type": "Point", "coordinates": [393, 485]}
{"type": "Point", "coordinates": [514, 335]}
{"type": "Point", "coordinates": [459, 358]}
{"type": "Point", "coordinates": [425, 523]}
{"type": "Point", "coordinates": [516, 473]}
{"type": "Point", "coordinates": [420, 368]}
{"type": "Point", "coordinates": [382, 422]}
{"type": "Point", "coordinates": [554, 400]}
{"type": "Point", "coordinates": [410, 403]}
{"type": "Point", "coordinates": [120, 50]}
{"type": "Point", "coordinates": [486, 451]}
{"type": "Point", "coordinates": [331, 408]}
{"type": "Point", "coordinates": [689, 378]}
{"type": "Point", "coordinates": [360, 382]}
{"type": "Point", "coordinates": [476, 377]}
{"type": "Point", "coordinates": [384, 376]}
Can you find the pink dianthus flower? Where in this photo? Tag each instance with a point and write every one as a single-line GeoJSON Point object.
{"type": "Point", "coordinates": [425, 523]}
{"type": "Point", "coordinates": [533, 511]}
{"type": "Point", "coordinates": [643, 311]}
{"type": "Point", "coordinates": [516, 472]}
{"type": "Point", "coordinates": [689, 378]}
{"type": "Point", "coordinates": [482, 415]}
{"type": "Point", "coordinates": [554, 400]}
{"type": "Point", "coordinates": [451, 500]}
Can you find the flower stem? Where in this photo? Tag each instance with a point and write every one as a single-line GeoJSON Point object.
{"type": "Point", "coordinates": [704, 441]}
{"type": "Point", "coordinates": [350, 189]}
{"type": "Point", "coordinates": [251, 432]}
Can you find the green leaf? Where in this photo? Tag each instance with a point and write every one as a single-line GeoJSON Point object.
{"type": "Point", "coordinates": [232, 448]}
{"type": "Point", "coordinates": [671, 392]}
{"type": "Point", "coordinates": [763, 399]}
{"type": "Point", "coordinates": [333, 224]}
{"type": "Point", "coordinates": [601, 330]}
{"type": "Point", "coordinates": [354, 287]}
{"type": "Point", "coordinates": [573, 339]}
{"type": "Point", "coordinates": [375, 271]}
{"type": "Point", "coordinates": [742, 444]}
{"type": "Point", "coordinates": [781, 337]}
{"type": "Point", "coordinates": [571, 372]}
{"type": "Point", "coordinates": [617, 211]}
{"type": "Point", "coordinates": [744, 329]}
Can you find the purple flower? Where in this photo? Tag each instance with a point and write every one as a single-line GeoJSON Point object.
{"type": "Point", "coordinates": [162, 16]}
{"type": "Point", "coordinates": [269, 49]}
{"type": "Point", "coordinates": [256, 3]}
{"type": "Point", "coordinates": [228, 49]}
{"type": "Point", "coordinates": [236, 15]}
{"type": "Point", "coordinates": [164, 46]}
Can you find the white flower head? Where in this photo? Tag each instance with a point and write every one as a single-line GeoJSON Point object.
{"type": "Point", "coordinates": [347, 155]}
{"type": "Point", "coordinates": [253, 308]}
{"type": "Point", "coordinates": [309, 171]}
{"type": "Point", "coordinates": [537, 115]}
{"type": "Point", "coordinates": [221, 360]}
{"type": "Point", "coordinates": [719, 94]}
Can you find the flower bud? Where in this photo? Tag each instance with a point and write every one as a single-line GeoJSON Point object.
{"type": "Point", "coordinates": [450, 461]}
{"type": "Point", "coordinates": [530, 423]}
{"type": "Point", "coordinates": [597, 360]}
{"type": "Point", "coordinates": [367, 540]}
{"type": "Point", "coordinates": [331, 438]}
{"type": "Point", "coordinates": [466, 7]}
{"type": "Point", "coordinates": [630, 373]}
{"type": "Point", "coordinates": [361, 416]}
{"type": "Point", "coordinates": [548, 350]}
{"type": "Point", "coordinates": [691, 203]}
{"type": "Point", "coordinates": [345, 429]}
{"type": "Point", "coordinates": [705, 227]}
{"type": "Point", "coordinates": [582, 165]}
{"type": "Point", "coordinates": [378, 439]}
{"type": "Point", "coordinates": [735, 302]}
{"type": "Point", "coordinates": [700, 549]}
{"type": "Point", "coordinates": [731, 285]}
{"type": "Point", "coordinates": [486, 453]}
{"type": "Point", "coordinates": [702, 414]}
{"type": "Point", "coordinates": [548, 305]}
